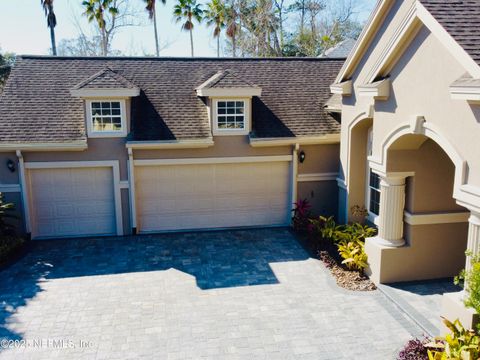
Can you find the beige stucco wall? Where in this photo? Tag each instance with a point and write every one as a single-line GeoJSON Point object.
{"type": "Point", "coordinates": [419, 86]}
{"type": "Point", "coordinates": [322, 195]}
{"type": "Point", "coordinates": [431, 188]}
{"type": "Point", "coordinates": [433, 252]}
{"type": "Point", "coordinates": [320, 159]}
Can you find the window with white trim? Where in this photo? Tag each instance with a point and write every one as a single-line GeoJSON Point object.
{"type": "Point", "coordinates": [231, 115]}
{"type": "Point", "coordinates": [106, 118]}
{"type": "Point", "coordinates": [373, 185]}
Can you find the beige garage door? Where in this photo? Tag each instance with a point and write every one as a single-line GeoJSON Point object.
{"type": "Point", "coordinates": [72, 202]}
{"type": "Point", "coordinates": [177, 197]}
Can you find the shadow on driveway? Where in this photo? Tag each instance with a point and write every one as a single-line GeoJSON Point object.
{"type": "Point", "coordinates": [216, 260]}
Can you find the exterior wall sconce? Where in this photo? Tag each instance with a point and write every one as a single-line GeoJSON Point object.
{"type": "Point", "coordinates": [11, 165]}
{"type": "Point", "coordinates": [301, 156]}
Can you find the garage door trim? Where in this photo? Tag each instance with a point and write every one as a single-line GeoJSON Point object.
{"type": "Point", "coordinates": [114, 164]}
{"type": "Point", "coordinates": [213, 160]}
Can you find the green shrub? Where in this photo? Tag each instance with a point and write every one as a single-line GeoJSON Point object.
{"type": "Point", "coordinates": [471, 280]}
{"type": "Point", "coordinates": [352, 250]}
{"type": "Point", "coordinates": [460, 344]}
{"type": "Point", "coordinates": [349, 240]}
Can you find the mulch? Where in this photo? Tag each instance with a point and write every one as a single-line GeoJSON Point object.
{"type": "Point", "coordinates": [328, 254]}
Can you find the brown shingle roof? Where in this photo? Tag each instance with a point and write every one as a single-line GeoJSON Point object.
{"type": "Point", "coordinates": [105, 79]}
{"type": "Point", "coordinates": [461, 19]}
{"type": "Point", "coordinates": [226, 79]}
{"type": "Point", "coordinates": [36, 105]}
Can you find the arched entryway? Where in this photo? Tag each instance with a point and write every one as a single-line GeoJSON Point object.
{"type": "Point", "coordinates": [423, 230]}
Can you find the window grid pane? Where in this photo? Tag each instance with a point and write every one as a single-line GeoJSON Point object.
{"type": "Point", "coordinates": [230, 115]}
{"type": "Point", "coordinates": [374, 193]}
{"type": "Point", "coordinates": [106, 116]}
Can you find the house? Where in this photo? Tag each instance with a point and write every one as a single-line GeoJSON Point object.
{"type": "Point", "coordinates": [410, 149]}
{"type": "Point", "coordinates": [340, 50]}
{"type": "Point", "coordinates": [115, 146]}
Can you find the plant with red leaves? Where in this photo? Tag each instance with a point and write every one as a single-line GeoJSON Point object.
{"type": "Point", "coordinates": [301, 216]}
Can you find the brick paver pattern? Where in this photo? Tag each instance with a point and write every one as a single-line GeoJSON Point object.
{"type": "Point", "coordinates": [244, 294]}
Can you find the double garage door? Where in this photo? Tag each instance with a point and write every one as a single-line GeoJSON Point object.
{"type": "Point", "coordinates": [81, 201]}
{"type": "Point", "coordinates": [199, 196]}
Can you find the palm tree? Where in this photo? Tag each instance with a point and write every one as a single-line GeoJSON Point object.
{"type": "Point", "coordinates": [231, 18]}
{"type": "Point", "coordinates": [152, 14]}
{"type": "Point", "coordinates": [95, 11]}
{"type": "Point", "coordinates": [215, 15]}
{"type": "Point", "coordinates": [51, 21]}
{"type": "Point", "coordinates": [188, 10]}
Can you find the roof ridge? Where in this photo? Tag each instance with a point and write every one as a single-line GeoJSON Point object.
{"type": "Point", "coordinates": [177, 58]}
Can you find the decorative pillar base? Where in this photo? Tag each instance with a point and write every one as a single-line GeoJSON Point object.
{"type": "Point", "coordinates": [388, 243]}
{"type": "Point", "coordinates": [454, 308]}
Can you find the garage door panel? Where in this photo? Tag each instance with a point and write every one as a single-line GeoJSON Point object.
{"type": "Point", "coordinates": [72, 202]}
{"type": "Point", "coordinates": [212, 195]}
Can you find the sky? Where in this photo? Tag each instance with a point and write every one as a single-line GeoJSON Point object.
{"type": "Point", "coordinates": [23, 29]}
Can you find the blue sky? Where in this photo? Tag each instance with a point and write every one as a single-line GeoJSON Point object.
{"type": "Point", "coordinates": [23, 29]}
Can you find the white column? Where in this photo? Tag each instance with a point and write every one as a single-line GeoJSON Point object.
{"type": "Point", "coordinates": [392, 204]}
{"type": "Point", "coordinates": [473, 244]}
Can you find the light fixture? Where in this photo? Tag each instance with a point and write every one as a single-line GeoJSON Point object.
{"type": "Point", "coordinates": [301, 156]}
{"type": "Point", "coordinates": [11, 165]}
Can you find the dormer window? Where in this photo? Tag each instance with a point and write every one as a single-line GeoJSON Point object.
{"type": "Point", "coordinates": [105, 94]}
{"type": "Point", "coordinates": [106, 118]}
{"type": "Point", "coordinates": [230, 101]}
{"type": "Point", "coordinates": [231, 116]}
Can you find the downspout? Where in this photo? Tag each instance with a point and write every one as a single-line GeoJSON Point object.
{"type": "Point", "coordinates": [296, 147]}
{"type": "Point", "coordinates": [131, 192]}
{"type": "Point", "coordinates": [24, 192]}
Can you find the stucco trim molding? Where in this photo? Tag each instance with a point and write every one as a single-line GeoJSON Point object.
{"type": "Point", "coordinates": [301, 140]}
{"type": "Point", "coordinates": [465, 93]}
{"type": "Point", "coordinates": [328, 176]}
{"type": "Point", "coordinates": [343, 88]}
{"type": "Point", "coordinates": [466, 195]}
{"type": "Point", "coordinates": [436, 218]}
{"type": "Point", "coordinates": [10, 188]}
{"type": "Point", "coordinates": [379, 90]}
{"type": "Point", "coordinates": [171, 144]}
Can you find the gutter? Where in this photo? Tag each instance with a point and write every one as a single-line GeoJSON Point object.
{"type": "Point", "coordinates": [301, 140]}
{"type": "Point", "coordinates": [77, 146]}
{"type": "Point", "coordinates": [171, 144]}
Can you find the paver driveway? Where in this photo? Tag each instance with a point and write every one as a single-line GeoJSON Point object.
{"type": "Point", "coordinates": [221, 295]}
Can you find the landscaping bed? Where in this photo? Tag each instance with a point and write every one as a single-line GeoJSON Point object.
{"type": "Point", "coordinates": [340, 247]}
{"type": "Point", "coordinates": [347, 279]}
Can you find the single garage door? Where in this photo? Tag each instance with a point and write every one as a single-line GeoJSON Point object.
{"type": "Point", "coordinates": [72, 202]}
{"type": "Point", "coordinates": [199, 196]}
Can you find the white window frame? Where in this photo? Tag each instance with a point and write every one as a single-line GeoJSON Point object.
{"type": "Point", "coordinates": [106, 134]}
{"type": "Point", "coordinates": [372, 217]}
{"type": "Point", "coordinates": [246, 117]}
